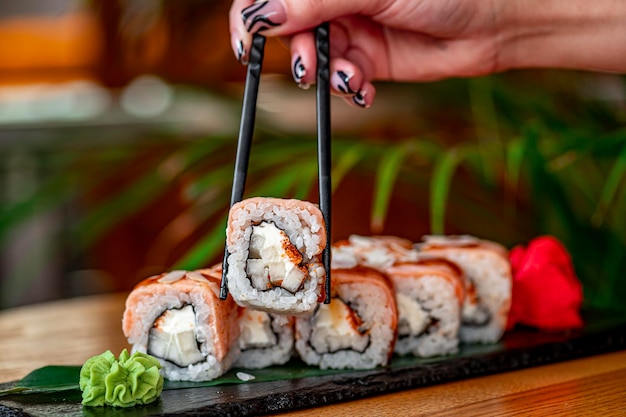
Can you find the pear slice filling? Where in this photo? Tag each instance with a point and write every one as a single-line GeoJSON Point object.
{"type": "Point", "coordinates": [338, 327]}
{"type": "Point", "coordinates": [413, 320]}
{"type": "Point", "coordinates": [256, 330]}
{"type": "Point", "coordinates": [273, 261]}
{"type": "Point", "coordinates": [173, 337]}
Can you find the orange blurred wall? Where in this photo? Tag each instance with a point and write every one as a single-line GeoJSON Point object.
{"type": "Point", "coordinates": [48, 47]}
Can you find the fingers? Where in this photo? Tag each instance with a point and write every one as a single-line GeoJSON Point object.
{"type": "Point", "coordinates": [347, 79]}
{"type": "Point", "coordinates": [347, 82]}
{"type": "Point", "coordinates": [303, 59]}
{"type": "Point", "coordinates": [240, 38]}
{"type": "Point", "coordinates": [285, 17]}
{"type": "Point", "coordinates": [248, 17]}
{"type": "Point", "coordinates": [351, 68]}
{"type": "Point", "coordinates": [363, 98]}
{"type": "Point", "coordinates": [263, 15]}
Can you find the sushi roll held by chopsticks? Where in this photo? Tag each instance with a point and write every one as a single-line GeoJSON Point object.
{"type": "Point", "coordinates": [274, 262]}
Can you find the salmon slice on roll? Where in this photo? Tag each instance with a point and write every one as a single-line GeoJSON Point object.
{"type": "Point", "coordinates": [488, 283]}
{"type": "Point", "coordinates": [357, 329]}
{"type": "Point", "coordinates": [274, 261]}
{"type": "Point", "coordinates": [179, 318]}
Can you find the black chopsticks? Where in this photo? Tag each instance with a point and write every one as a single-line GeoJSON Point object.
{"type": "Point", "coordinates": [248, 116]}
{"type": "Point", "coordinates": [322, 45]}
{"type": "Point", "coordinates": [246, 132]}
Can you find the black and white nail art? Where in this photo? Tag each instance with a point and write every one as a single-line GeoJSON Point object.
{"type": "Point", "coordinates": [241, 53]}
{"type": "Point", "coordinates": [263, 15]}
{"type": "Point", "coordinates": [298, 70]}
{"type": "Point", "coordinates": [344, 85]}
{"type": "Point", "coordinates": [359, 99]}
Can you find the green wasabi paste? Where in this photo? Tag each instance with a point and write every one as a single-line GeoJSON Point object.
{"type": "Point", "coordinates": [124, 382]}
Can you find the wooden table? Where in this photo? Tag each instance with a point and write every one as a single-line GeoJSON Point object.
{"type": "Point", "coordinates": [70, 331]}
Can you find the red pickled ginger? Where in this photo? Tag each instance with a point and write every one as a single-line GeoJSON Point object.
{"type": "Point", "coordinates": [546, 292]}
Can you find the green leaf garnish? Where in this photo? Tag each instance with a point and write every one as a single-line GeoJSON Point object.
{"type": "Point", "coordinates": [62, 378]}
{"type": "Point", "coordinates": [47, 379]}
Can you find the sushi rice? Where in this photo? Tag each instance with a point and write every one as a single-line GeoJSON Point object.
{"type": "Point", "coordinates": [303, 225]}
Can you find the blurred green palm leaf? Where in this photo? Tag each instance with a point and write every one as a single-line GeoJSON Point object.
{"type": "Point", "coordinates": [386, 177]}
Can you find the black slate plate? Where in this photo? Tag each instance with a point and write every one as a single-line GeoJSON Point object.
{"type": "Point", "coordinates": [520, 348]}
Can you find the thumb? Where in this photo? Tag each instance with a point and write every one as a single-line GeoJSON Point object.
{"type": "Point", "coordinates": [287, 17]}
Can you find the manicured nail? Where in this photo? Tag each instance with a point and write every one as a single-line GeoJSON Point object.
{"type": "Point", "coordinates": [298, 71]}
{"type": "Point", "coordinates": [242, 54]}
{"type": "Point", "coordinates": [341, 82]}
{"type": "Point", "coordinates": [359, 99]}
{"type": "Point", "coordinates": [263, 15]}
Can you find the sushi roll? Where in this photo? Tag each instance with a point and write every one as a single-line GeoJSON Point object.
{"type": "Point", "coordinates": [429, 291]}
{"type": "Point", "coordinates": [357, 329]}
{"type": "Point", "coordinates": [429, 294]}
{"type": "Point", "coordinates": [178, 318]}
{"type": "Point", "coordinates": [265, 339]}
{"type": "Point", "coordinates": [487, 287]}
{"type": "Point", "coordinates": [274, 261]}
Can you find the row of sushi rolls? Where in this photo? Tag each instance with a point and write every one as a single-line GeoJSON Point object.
{"type": "Point", "coordinates": [388, 296]}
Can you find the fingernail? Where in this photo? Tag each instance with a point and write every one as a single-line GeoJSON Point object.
{"type": "Point", "coordinates": [299, 71]}
{"type": "Point", "coordinates": [341, 82]}
{"type": "Point", "coordinates": [263, 15]}
{"type": "Point", "coordinates": [242, 54]}
{"type": "Point", "coordinates": [359, 99]}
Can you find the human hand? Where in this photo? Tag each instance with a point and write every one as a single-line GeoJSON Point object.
{"type": "Point", "coordinates": [425, 40]}
{"type": "Point", "coordinates": [402, 40]}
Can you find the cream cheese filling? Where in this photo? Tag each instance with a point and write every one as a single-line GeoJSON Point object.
{"type": "Point", "coordinates": [256, 330]}
{"type": "Point", "coordinates": [273, 261]}
{"type": "Point", "coordinates": [412, 318]}
{"type": "Point", "coordinates": [173, 337]}
{"type": "Point", "coordinates": [337, 327]}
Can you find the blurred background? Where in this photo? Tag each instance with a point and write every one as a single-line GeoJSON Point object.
{"type": "Point", "coordinates": [118, 126]}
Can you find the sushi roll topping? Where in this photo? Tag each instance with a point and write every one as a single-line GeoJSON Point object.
{"type": "Point", "coordinates": [344, 257]}
{"type": "Point", "coordinates": [173, 337]}
{"type": "Point", "coordinates": [256, 330]}
{"type": "Point", "coordinates": [273, 261]}
{"type": "Point", "coordinates": [338, 327]}
{"type": "Point", "coordinates": [171, 277]}
{"type": "Point", "coordinates": [380, 252]}
{"type": "Point", "coordinates": [450, 240]}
